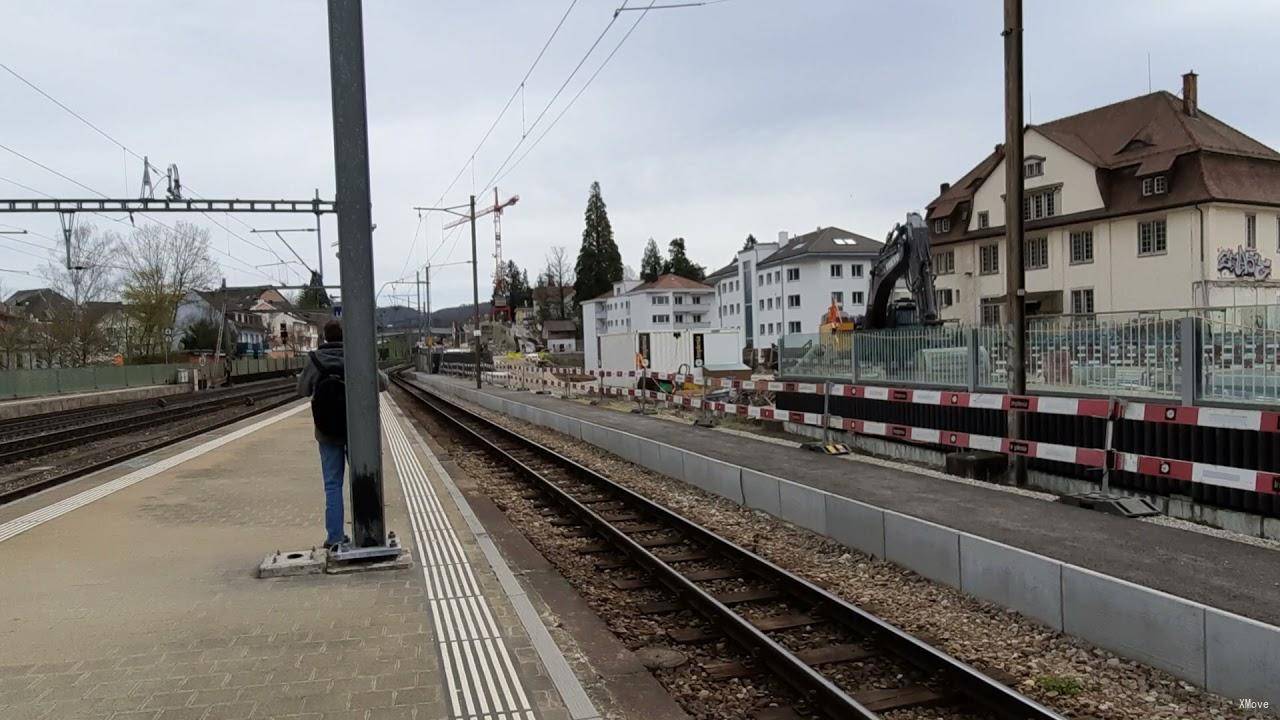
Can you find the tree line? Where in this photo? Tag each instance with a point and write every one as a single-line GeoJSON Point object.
{"type": "Point", "coordinates": [149, 271]}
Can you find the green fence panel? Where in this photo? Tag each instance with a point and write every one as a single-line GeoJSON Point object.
{"type": "Point", "coordinates": [112, 376]}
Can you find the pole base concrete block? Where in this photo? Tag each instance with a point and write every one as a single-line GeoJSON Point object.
{"type": "Point", "coordinates": [293, 562]}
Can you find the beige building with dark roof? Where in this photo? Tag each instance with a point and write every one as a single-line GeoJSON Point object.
{"type": "Point", "coordinates": [1142, 204]}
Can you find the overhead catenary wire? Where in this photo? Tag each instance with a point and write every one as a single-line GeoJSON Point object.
{"type": "Point", "coordinates": [578, 94]}
{"type": "Point", "coordinates": [519, 90]}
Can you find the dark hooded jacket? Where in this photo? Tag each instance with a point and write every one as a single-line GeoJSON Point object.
{"type": "Point", "coordinates": [329, 357]}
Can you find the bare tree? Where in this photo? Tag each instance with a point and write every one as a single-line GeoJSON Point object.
{"type": "Point", "coordinates": [73, 327]}
{"type": "Point", "coordinates": [560, 277]}
{"type": "Point", "coordinates": [161, 266]}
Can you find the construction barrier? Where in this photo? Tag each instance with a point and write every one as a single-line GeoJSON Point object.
{"type": "Point", "coordinates": [1109, 410]}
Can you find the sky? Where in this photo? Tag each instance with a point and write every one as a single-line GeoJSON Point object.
{"type": "Point", "coordinates": [708, 123]}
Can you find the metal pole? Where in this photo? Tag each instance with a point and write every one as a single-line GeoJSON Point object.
{"type": "Point", "coordinates": [355, 250]}
{"type": "Point", "coordinates": [475, 294]}
{"type": "Point", "coordinates": [1015, 291]}
{"type": "Point", "coordinates": [430, 339]}
{"type": "Point", "coordinates": [417, 289]}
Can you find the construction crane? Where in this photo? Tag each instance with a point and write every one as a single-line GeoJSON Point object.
{"type": "Point", "coordinates": [500, 306]}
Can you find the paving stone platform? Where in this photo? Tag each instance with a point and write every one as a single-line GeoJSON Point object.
{"type": "Point", "coordinates": [140, 601]}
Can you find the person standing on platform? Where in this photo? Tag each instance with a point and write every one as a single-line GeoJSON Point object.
{"type": "Point", "coordinates": [323, 379]}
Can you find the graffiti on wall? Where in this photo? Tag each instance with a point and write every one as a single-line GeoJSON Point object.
{"type": "Point", "coordinates": [1244, 262]}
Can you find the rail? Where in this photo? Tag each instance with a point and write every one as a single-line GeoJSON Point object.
{"type": "Point", "coordinates": [560, 476]}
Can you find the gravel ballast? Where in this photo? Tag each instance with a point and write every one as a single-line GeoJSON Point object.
{"type": "Point", "coordinates": [1075, 678]}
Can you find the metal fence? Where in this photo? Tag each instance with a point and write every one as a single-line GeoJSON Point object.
{"type": "Point", "coordinates": [1218, 354]}
{"type": "Point", "coordinates": [16, 384]}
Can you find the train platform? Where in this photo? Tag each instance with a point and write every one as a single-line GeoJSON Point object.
{"type": "Point", "coordinates": [1240, 578]}
{"type": "Point", "coordinates": [10, 409]}
{"type": "Point", "coordinates": [133, 593]}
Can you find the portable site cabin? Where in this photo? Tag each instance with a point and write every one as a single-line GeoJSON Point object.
{"type": "Point", "coordinates": [671, 351]}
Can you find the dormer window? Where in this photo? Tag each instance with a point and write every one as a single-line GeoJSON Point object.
{"type": "Point", "coordinates": [1033, 166]}
{"type": "Point", "coordinates": [942, 225]}
{"type": "Point", "coordinates": [1157, 185]}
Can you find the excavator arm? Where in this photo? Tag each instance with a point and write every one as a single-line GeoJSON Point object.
{"type": "Point", "coordinates": [905, 254]}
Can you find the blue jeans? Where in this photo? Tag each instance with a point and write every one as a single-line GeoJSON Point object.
{"type": "Point", "coordinates": [333, 465]}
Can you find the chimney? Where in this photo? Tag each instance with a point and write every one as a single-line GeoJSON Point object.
{"type": "Point", "coordinates": [943, 188]}
{"type": "Point", "coordinates": [782, 237]}
{"type": "Point", "coordinates": [1190, 103]}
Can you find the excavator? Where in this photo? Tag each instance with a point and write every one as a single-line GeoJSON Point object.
{"type": "Point", "coordinates": [905, 255]}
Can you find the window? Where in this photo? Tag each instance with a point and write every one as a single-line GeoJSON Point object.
{"type": "Point", "coordinates": [984, 219]}
{"type": "Point", "coordinates": [857, 297]}
{"type": "Point", "coordinates": [793, 326]}
{"type": "Point", "coordinates": [1035, 253]}
{"type": "Point", "coordinates": [697, 299]}
{"type": "Point", "coordinates": [944, 263]}
{"type": "Point", "coordinates": [1250, 236]}
{"type": "Point", "coordinates": [989, 259]}
{"type": "Point", "coordinates": [942, 225]}
{"type": "Point", "coordinates": [697, 318]}
{"type": "Point", "coordinates": [945, 297]}
{"type": "Point", "coordinates": [761, 328]}
{"type": "Point", "coordinates": [769, 304]}
{"type": "Point", "coordinates": [793, 301]}
{"type": "Point", "coordinates": [777, 276]}
{"type": "Point", "coordinates": [1033, 167]}
{"type": "Point", "coordinates": [661, 318]}
{"type": "Point", "coordinates": [762, 303]}
{"type": "Point", "coordinates": [661, 299]}
{"type": "Point", "coordinates": [1081, 247]}
{"type": "Point", "coordinates": [1082, 301]}
{"type": "Point", "coordinates": [679, 299]}
{"type": "Point", "coordinates": [1039, 204]}
{"type": "Point", "coordinates": [837, 297]}
{"type": "Point", "coordinates": [1162, 184]}
{"type": "Point", "coordinates": [679, 317]}
{"type": "Point", "coordinates": [990, 312]}
{"type": "Point", "coordinates": [1157, 185]}
{"type": "Point", "coordinates": [793, 274]}
{"type": "Point", "coordinates": [1151, 238]}
{"type": "Point", "coordinates": [768, 278]}
{"type": "Point", "coordinates": [837, 270]}
{"type": "Point", "coordinates": [855, 270]}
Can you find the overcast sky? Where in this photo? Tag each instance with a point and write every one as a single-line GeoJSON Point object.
{"type": "Point", "coordinates": [745, 116]}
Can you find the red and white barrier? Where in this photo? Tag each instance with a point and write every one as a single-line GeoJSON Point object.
{"type": "Point", "coordinates": [1218, 475]}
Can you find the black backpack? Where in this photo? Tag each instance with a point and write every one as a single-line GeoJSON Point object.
{"type": "Point", "coordinates": [329, 402]}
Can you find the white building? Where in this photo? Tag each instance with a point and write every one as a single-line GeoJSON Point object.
{"type": "Point", "coordinates": [670, 303]}
{"type": "Point", "coordinates": [1142, 204]}
{"type": "Point", "coordinates": [787, 287]}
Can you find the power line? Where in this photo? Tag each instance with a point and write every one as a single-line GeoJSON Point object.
{"type": "Point", "coordinates": [554, 97]}
{"type": "Point", "coordinates": [519, 90]}
{"type": "Point", "coordinates": [39, 164]}
{"type": "Point", "coordinates": [75, 114]}
{"type": "Point", "coordinates": [578, 94]}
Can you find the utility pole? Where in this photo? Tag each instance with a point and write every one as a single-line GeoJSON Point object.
{"type": "Point", "coordinates": [355, 250]}
{"type": "Point", "coordinates": [475, 294]}
{"type": "Point", "coordinates": [1015, 291]}
{"type": "Point", "coordinates": [430, 337]}
{"type": "Point", "coordinates": [417, 289]}
{"type": "Point", "coordinates": [319, 244]}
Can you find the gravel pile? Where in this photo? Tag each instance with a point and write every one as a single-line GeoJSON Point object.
{"type": "Point", "coordinates": [1067, 674]}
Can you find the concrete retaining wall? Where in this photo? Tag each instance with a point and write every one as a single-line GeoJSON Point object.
{"type": "Point", "coordinates": [1226, 653]}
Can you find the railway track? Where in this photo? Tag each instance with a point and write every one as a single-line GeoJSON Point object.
{"type": "Point", "coordinates": [35, 462]}
{"type": "Point", "coordinates": [838, 660]}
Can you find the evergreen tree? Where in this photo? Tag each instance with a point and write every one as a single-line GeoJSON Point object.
{"type": "Point", "coordinates": [314, 296]}
{"type": "Point", "coordinates": [651, 264]}
{"type": "Point", "coordinates": [750, 243]}
{"type": "Point", "coordinates": [678, 263]}
{"type": "Point", "coordinates": [599, 260]}
{"type": "Point", "coordinates": [518, 291]}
